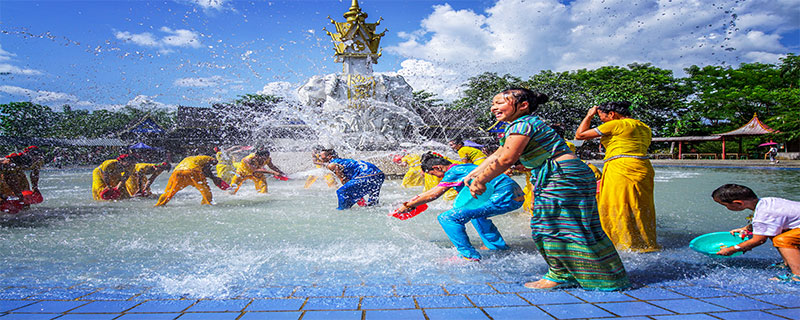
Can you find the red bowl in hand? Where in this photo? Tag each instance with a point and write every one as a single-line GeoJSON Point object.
{"type": "Point", "coordinates": [222, 184]}
{"type": "Point", "coordinates": [31, 197]}
{"type": "Point", "coordinates": [110, 194]}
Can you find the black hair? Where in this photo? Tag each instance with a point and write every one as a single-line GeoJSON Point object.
{"type": "Point", "coordinates": [621, 107]}
{"type": "Point", "coordinates": [430, 159]}
{"type": "Point", "coordinates": [521, 95]}
{"type": "Point", "coordinates": [730, 192]}
{"type": "Point", "coordinates": [457, 140]}
{"type": "Point", "coordinates": [262, 153]}
{"type": "Point", "coordinates": [329, 151]}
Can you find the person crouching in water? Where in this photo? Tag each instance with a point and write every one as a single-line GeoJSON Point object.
{"type": "Point", "coordinates": [15, 181]}
{"type": "Point", "coordinates": [507, 197]}
{"type": "Point", "coordinates": [773, 218]}
{"type": "Point", "coordinates": [111, 175]}
{"type": "Point", "coordinates": [359, 178]}
{"type": "Point", "coordinates": [192, 171]}
{"type": "Point", "coordinates": [139, 183]}
{"type": "Point", "coordinates": [252, 168]}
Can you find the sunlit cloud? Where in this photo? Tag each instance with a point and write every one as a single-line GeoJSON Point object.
{"type": "Point", "coordinates": [170, 39]}
{"type": "Point", "coordinates": [201, 82]}
{"type": "Point", "coordinates": [209, 4]}
{"type": "Point", "coordinates": [145, 102]}
{"type": "Point", "coordinates": [523, 37]}
{"type": "Point", "coordinates": [43, 97]}
{"type": "Point", "coordinates": [10, 69]}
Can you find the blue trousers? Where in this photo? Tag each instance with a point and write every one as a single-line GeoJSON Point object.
{"type": "Point", "coordinates": [453, 222]}
{"type": "Point", "coordinates": [355, 189]}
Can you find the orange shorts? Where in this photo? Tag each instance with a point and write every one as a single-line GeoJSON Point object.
{"type": "Point", "coordinates": [787, 239]}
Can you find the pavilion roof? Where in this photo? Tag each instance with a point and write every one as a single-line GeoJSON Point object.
{"type": "Point", "coordinates": [753, 127]}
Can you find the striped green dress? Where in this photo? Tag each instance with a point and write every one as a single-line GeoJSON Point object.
{"type": "Point", "coordinates": [565, 224]}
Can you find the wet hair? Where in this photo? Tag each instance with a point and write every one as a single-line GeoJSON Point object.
{"type": "Point", "coordinates": [520, 95]}
{"type": "Point", "coordinates": [262, 153]}
{"type": "Point", "coordinates": [730, 192]}
{"type": "Point", "coordinates": [329, 151]}
{"type": "Point", "coordinates": [621, 107]}
{"type": "Point", "coordinates": [430, 159]}
{"type": "Point", "coordinates": [20, 159]}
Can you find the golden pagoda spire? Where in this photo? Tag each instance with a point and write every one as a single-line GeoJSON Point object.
{"type": "Point", "coordinates": [355, 14]}
{"type": "Point", "coordinates": [354, 38]}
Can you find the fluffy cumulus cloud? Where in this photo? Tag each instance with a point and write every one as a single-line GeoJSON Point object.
{"type": "Point", "coordinates": [43, 97]}
{"type": "Point", "coordinates": [202, 82]}
{"type": "Point", "coordinates": [522, 37]}
{"type": "Point", "coordinates": [209, 4]}
{"type": "Point", "coordinates": [7, 68]}
{"type": "Point", "coordinates": [165, 41]}
{"type": "Point", "coordinates": [148, 103]}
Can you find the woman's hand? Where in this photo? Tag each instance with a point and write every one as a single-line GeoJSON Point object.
{"type": "Point", "coordinates": [592, 112]}
{"type": "Point", "coordinates": [477, 188]}
{"type": "Point", "coordinates": [403, 208]}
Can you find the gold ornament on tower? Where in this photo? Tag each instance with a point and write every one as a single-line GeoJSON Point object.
{"type": "Point", "coordinates": [357, 47]}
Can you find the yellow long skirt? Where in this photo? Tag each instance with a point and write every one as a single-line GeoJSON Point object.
{"type": "Point", "coordinates": [183, 178]}
{"type": "Point", "coordinates": [627, 210]}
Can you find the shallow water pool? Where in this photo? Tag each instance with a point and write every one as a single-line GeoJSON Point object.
{"type": "Point", "coordinates": [295, 237]}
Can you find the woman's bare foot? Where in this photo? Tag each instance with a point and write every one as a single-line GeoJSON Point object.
{"type": "Point", "coordinates": [483, 247]}
{"type": "Point", "coordinates": [541, 284]}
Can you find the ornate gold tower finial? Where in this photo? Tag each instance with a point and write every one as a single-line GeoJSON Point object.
{"type": "Point", "coordinates": [356, 43]}
{"type": "Point", "coordinates": [355, 13]}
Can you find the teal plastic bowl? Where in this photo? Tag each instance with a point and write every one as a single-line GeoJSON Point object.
{"type": "Point", "coordinates": [466, 201]}
{"type": "Point", "coordinates": [710, 243]}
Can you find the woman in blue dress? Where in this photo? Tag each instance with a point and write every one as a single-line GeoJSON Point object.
{"type": "Point", "coordinates": [508, 196]}
{"type": "Point", "coordinates": [360, 179]}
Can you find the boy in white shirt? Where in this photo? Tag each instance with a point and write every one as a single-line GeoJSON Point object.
{"type": "Point", "coordinates": [774, 218]}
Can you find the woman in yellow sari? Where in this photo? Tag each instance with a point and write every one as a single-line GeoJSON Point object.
{"type": "Point", "coordinates": [627, 210]}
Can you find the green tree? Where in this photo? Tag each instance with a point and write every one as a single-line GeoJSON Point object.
{"type": "Point", "coordinates": [479, 91]}
{"type": "Point", "coordinates": [569, 100]}
{"type": "Point", "coordinates": [26, 119]}
{"type": "Point", "coordinates": [657, 97]}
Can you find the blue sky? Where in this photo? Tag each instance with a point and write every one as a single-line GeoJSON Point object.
{"type": "Point", "coordinates": [107, 54]}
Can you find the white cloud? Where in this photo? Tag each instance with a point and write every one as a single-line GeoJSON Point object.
{"type": "Point", "coordinates": [210, 4]}
{"type": "Point", "coordinates": [5, 55]}
{"type": "Point", "coordinates": [212, 81]}
{"type": "Point", "coordinates": [170, 39]}
{"type": "Point", "coordinates": [42, 97]}
{"type": "Point", "coordinates": [58, 99]}
{"type": "Point", "coordinates": [7, 68]}
{"type": "Point", "coordinates": [523, 37]}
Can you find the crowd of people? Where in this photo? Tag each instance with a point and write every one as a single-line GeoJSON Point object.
{"type": "Point", "coordinates": [580, 216]}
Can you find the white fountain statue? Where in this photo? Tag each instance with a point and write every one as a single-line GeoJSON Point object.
{"type": "Point", "coordinates": [363, 109]}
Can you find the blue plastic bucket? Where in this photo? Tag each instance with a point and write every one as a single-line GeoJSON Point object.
{"type": "Point", "coordinates": [466, 201]}
{"type": "Point", "coordinates": [710, 243]}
